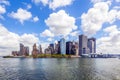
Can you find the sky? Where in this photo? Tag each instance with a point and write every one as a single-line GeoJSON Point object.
{"type": "Point", "coordinates": [47, 21]}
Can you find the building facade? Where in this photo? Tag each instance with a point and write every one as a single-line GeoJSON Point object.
{"type": "Point", "coordinates": [92, 45]}
{"type": "Point", "coordinates": [62, 46]}
{"type": "Point", "coordinates": [35, 51]}
{"type": "Point", "coordinates": [68, 47]}
{"type": "Point", "coordinates": [83, 49]}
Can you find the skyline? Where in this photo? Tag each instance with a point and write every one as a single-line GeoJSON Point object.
{"type": "Point", "coordinates": [46, 21]}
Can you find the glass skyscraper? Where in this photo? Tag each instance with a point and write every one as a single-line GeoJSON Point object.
{"type": "Point", "coordinates": [62, 46]}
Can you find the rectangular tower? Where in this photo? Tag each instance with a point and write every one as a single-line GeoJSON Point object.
{"type": "Point", "coordinates": [83, 44]}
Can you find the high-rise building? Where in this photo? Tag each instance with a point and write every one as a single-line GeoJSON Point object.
{"type": "Point", "coordinates": [68, 47]}
{"type": "Point", "coordinates": [52, 48]}
{"type": "Point", "coordinates": [35, 51]}
{"type": "Point", "coordinates": [62, 46]}
{"type": "Point", "coordinates": [92, 45]}
{"type": "Point", "coordinates": [26, 51]}
{"type": "Point", "coordinates": [83, 49]}
{"type": "Point", "coordinates": [21, 49]}
{"type": "Point", "coordinates": [40, 49]}
{"type": "Point", "coordinates": [74, 49]}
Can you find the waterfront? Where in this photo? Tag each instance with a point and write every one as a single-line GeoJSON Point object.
{"type": "Point", "coordinates": [59, 69]}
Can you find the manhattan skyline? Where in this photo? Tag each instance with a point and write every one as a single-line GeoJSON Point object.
{"type": "Point", "coordinates": [45, 21]}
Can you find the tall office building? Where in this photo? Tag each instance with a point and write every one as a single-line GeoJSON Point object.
{"type": "Point", "coordinates": [74, 49]}
{"type": "Point", "coordinates": [52, 48]}
{"type": "Point", "coordinates": [92, 45]}
{"type": "Point", "coordinates": [57, 48]}
{"type": "Point", "coordinates": [40, 49]}
{"type": "Point", "coordinates": [24, 51]}
{"type": "Point", "coordinates": [83, 49]}
{"type": "Point", "coordinates": [68, 47]}
{"type": "Point", "coordinates": [62, 46]}
{"type": "Point", "coordinates": [35, 51]}
{"type": "Point", "coordinates": [21, 49]}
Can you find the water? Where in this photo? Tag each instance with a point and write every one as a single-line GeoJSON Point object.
{"type": "Point", "coordinates": [59, 69]}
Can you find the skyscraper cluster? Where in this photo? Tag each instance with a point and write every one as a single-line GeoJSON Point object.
{"type": "Point", "coordinates": [24, 51]}
{"type": "Point", "coordinates": [36, 50]}
{"type": "Point", "coordinates": [85, 45]}
{"type": "Point", "coordinates": [63, 47]}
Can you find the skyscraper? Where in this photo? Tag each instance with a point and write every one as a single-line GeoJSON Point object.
{"type": "Point", "coordinates": [68, 47]}
{"type": "Point", "coordinates": [62, 46]}
{"type": "Point", "coordinates": [92, 45]}
{"type": "Point", "coordinates": [40, 49]}
{"type": "Point", "coordinates": [83, 44]}
{"type": "Point", "coordinates": [52, 48]}
{"type": "Point", "coordinates": [21, 49]}
{"type": "Point", "coordinates": [35, 51]}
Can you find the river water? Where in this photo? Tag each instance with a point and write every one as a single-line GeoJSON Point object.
{"type": "Point", "coordinates": [59, 69]}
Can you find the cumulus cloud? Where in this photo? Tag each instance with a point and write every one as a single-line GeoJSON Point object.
{"type": "Point", "coordinates": [21, 15]}
{"type": "Point", "coordinates": [61, 23]}
{"type": "Point", "coordinates": [53, 4]}
{"type": "Point", "coordinates": [35, 19]}
{"type": "Point", "coordinates": [75, 33]}
{"type": "Point", "coordinates": [117, 0]}
{"type": "Point", "coordinates": [47, 33]}
{"type": "Point", "coordinates": [29, 6]}
{"type": "Point", "coordinates": [59, 3]}
{"type": "Point", "coordinates": [111, 42]}
{"type": "Point", "coordinates": [5, 2]}
{"type": "Point", "coordinates": [50, 39]}
{"type": "Point", "coordinates": [93, 20]}
{"type": "Point", "coordinates": [2, 9]}
{"type": "Point", "coordinates": [9, 41]}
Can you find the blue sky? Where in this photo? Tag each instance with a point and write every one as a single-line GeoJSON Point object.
{"type": "Point", "coordinates": [46, 21]}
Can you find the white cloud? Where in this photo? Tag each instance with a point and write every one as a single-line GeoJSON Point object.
{"type": "Point", "coordinates": [75, 33]}
{"type": "Point", "coordinates": [44, 2]}
{"type": "Point", "coordinates": [5, 2]}
{"type": "Point", "coordinates": [59, 3]}
{"type": "Point", "coordinates": [93, 20]}
{"type": "Point", "coordinates": [47, 33]}
{"type": "Point", "coordinates": [29, 6]}
{"type": "Point", "coordinates": [117, 0]}
{"type": "Point", "coordinates": [21, 15]}
{"type": "Point", "coordinates": [111, 42]}
{"type": "Point", "coordinates": [2, 9]}
{"type": "Point", "coordinates": [50, 39]}
{"type": "Point", "coordinates": [53, 4]}
{"type": "Point", "coordinates": [35, 19]}
{"type": "Point", "coordinates": [61, 23]}
{"type": "Point", "coordinates": [9, 41]}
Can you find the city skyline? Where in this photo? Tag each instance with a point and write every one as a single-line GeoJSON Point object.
{"type": "Point", "coordinates": [47, 21]}
{"type": "Point", "coordinates": [63, 47]}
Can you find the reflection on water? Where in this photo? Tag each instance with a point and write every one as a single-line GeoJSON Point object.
{"type": "Point", "coordinates": [59, 69]}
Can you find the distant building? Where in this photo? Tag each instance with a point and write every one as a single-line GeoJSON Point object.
{"type": "Point", "coordinates": [92, 45]}
{"type": "Point", "coordinates": [68, 47]}
{"type": "Point", "coordinates": [57, 48]}
{"type": "Point", "coordinates": [62, 46]}
{"type": "Point", "coordinates": [83, 49]}
{"type": "Point", "coordinates": [35, 51]}
{"type": "Point", "coordinates": [48, 50]}
{"type": "Point", "coordinates": [15, 53]}
{"type": "Point", "coordinates": [40, 49]}
{"type": "Point", "coordinates": [24, 51]}
{"type": "Point", "coordinates": [21, 49]}
{"type": "Point", "coordinates": [74, 49]}
{"type": "Point", "coordinates": [52, 48]}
